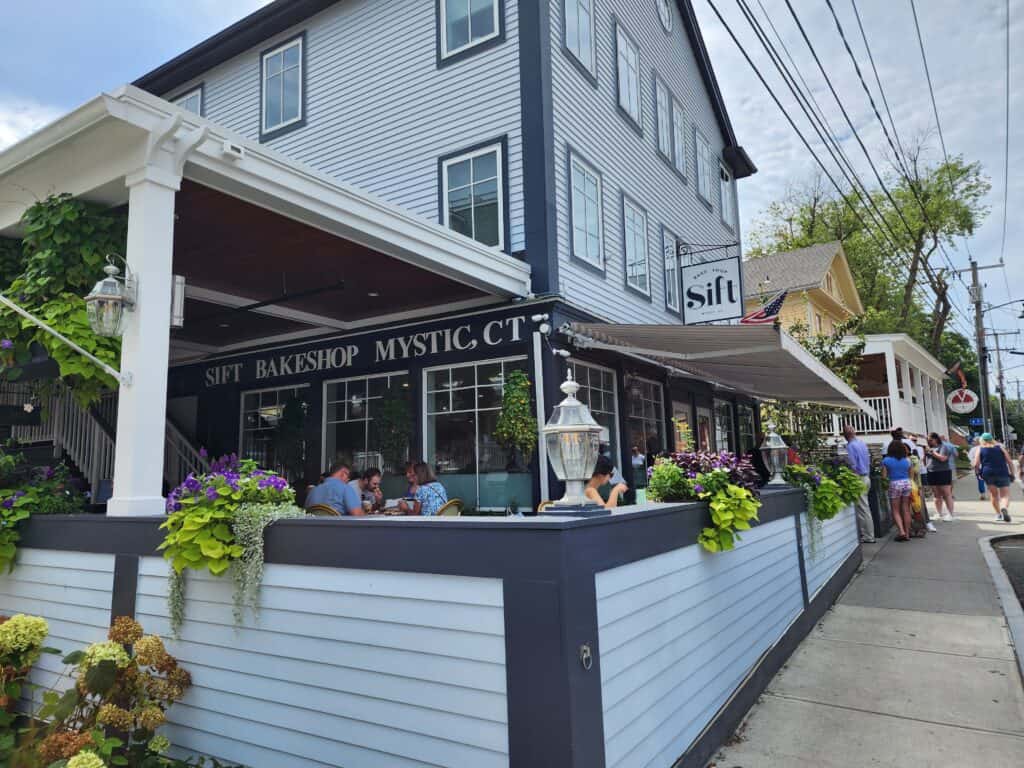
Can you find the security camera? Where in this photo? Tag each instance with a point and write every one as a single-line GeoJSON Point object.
{"type": "Point", "coordinates": [562, 352]}
{"type": "Point", "coordinates": [544, 328]}
{"type": "Point", "coordinates": [539, 318]}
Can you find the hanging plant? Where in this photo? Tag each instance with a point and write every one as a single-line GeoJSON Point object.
{"type": "Point", "coordinates": [517, 426]}
{"type": "Point", "coordinates": [250, 524]}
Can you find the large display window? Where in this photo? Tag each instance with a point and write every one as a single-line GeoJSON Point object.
{"type": "Point", "coordinates": [271, 429]}
{"type": "Point", "coordinates": [368, 422]}
{"type": "Point", "coordinates": [461, 406]}
{"type": "Point", "coordinates": [645, 415]}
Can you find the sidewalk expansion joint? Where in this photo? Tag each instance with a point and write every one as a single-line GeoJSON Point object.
{"type": "Point", "coordinates": [1009, 660]}
{"type": "Point", "coordinates": [992, 731]}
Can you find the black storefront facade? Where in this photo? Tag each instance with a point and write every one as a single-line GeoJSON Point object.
{"type": "Point", "coordinates": [431, 389]}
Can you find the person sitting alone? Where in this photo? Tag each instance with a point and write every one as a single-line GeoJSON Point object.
{"type": "Point", "coordinates": [427, 493]}
{"type": "Point", "coordinates": [603, 474]}
{"type": "Point", "coordinates": [367, 485]}
{"type": "Point", "coordinates": [335, 492]}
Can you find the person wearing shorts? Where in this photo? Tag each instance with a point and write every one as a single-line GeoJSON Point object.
{"type": "Point", "coordinates": [896, 468]}
{"type": "Point", "coordinates": [995, 466]}
{"type": "Point", "coordinates": [939, 460]}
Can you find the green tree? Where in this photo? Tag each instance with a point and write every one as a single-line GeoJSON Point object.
{"type": "Point", "coordinates": [893, 250]}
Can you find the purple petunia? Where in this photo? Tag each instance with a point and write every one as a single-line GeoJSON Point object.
{"type": "Point", "coordinates": [6, 344]}
{"type": "Point", "coordinates": [698, 488]}
{"type": "Point", "coordinates": [202, 453]}
{"type": "Point", "coordinates": [211, 493]}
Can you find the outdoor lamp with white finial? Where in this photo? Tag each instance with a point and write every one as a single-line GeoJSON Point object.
{"type": "Point", "coordinates": [573, 441]}
{"type": "Point", "coordinates": [108, 301]}
{"type": "Point", "coordinates": [775, 453]}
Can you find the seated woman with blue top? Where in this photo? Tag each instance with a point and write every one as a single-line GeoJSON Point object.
{"type": "Point", "coordinates": [427, 496]}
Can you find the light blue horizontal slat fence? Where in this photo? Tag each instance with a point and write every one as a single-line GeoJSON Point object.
{"type": "Point", "coordinates": [72, 591]}
{"type": "Point", "coordinates": [678, 632]}
{"type": "Point", "coordinates": [342, 667]}
{"type": "Point", "coordinates": [824, 554]}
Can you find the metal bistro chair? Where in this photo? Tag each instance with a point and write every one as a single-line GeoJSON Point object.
{"type": "Point", "coordinates": [452, 509]}
{"type": "Point", "coordinates": [323, 510]}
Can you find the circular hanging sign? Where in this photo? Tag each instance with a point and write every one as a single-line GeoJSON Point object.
{"type": "Point", "coordinates": [962, 401]}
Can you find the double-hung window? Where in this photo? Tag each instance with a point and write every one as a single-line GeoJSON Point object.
{"type": "Point", "coordinates": [725, 192]}
{"type": "Point", "coordinates": [704, 167]}
{"type": "Point", "coordinates": [579, 32]}
{"type": "Point", "coordinates": [191, 101]}
{"type": "Point", "coordinates": [678, 137]}
{"type": "Point", "coordinates": [585, 205]}
{"type": "Point", "coordinates": [664, 118]}
{"type": "Point", "coordinates": [629, 74]}
{"type": "Point", "coordinates": [668, 246]}
{"type": "Point", "coordinates": [467, 23]}
{"type": "Point", "coordinates": [282, 86]}
{"type": "Point", "coordinates": [473, 194]}
{"type": "Point", "coordinates": [634, 221]}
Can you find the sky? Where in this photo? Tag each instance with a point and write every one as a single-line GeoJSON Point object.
{"type": "Point", "coordinates": [58, 54]}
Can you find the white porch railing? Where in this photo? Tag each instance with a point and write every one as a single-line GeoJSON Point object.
{"type": "Point", "coordinates": [76, 431]}
{"type": "Point", "coordinates": [180, 457]}
{"type": "Point", "coordinates": [833, 425]}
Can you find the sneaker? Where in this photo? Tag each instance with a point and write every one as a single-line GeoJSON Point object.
{"type": "Point", "coordinates": [1006, 515]}
{"type": "Point", "coordinates": [931, 527]}
{"type": "Point", "coordinates": [999, 517]}
{"type": "Point", "coordinates": [866, 540]}
{"type": "Point", "coordinates": [947, 518]}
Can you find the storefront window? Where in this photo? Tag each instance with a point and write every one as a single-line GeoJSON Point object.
{"type": "Point", "coordinates": [368, 422]}
{"type": "Point", "coordinates": [683, 421]}
{"type": "Point", "coordinates": [645, 415]}
{"type": "Point", "coordinates": [598, 391]}
{"type": "Point", "coordinates": [745, 422]}
{"type": "Point", "coordinates": [462, 408]}
{"type": "Point", "coordinates": [272, 427]}
{"type": "Point", "coordinates": [723, 426]}
{"type": "Point", "coordinates": [704, 429]}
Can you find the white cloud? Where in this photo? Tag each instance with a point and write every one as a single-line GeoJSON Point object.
{"type": "Point", "coordinates": [19, 118]}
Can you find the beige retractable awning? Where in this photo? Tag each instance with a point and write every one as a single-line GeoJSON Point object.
{"type": "Point", "coordinates": [759, 360]}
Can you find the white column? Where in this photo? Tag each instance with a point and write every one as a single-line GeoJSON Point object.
{"type": "Point", "coordinates": [895, 408]}
{"type": "Point", "coordinates": [141, 413]}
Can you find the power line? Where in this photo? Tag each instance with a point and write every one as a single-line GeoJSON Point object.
{"type": "Point", "coordinates": [1006, 155]}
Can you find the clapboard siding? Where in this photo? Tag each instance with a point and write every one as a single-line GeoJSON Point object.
{"type": "Point", "coordinates": [72, 591]}
{"type": "Point", "coordinates": [587, 120]}
{"type": "Point", "coordinates": [823, 558]}
{"type": "Point", "coordinates": [341, 668]}
{"type": "Point", "coordinates": [677, 633]}
{"type": "Point", "coordinates": [379, 112]}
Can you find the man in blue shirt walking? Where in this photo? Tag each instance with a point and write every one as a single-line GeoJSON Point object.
{"type": "Point", "coordinates": [860, 462]}
{"type": "Point", "coordinates": [335, 491]}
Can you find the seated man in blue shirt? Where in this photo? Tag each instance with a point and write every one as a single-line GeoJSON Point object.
{"type": "Point", "coordinates": [335, 491]}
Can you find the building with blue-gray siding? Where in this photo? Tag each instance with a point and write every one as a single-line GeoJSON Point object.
{"type": "Point", "coordinates": [587, 138]}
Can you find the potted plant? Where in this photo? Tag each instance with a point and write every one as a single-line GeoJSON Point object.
{"type": "Point", "coordinates": [516, 430]}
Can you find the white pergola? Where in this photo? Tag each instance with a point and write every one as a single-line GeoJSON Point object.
{"type": "Point", "coordinates": [131, 147]}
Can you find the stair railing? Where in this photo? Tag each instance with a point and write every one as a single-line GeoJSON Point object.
{"type": "Point", "coordinates": [180, 457]}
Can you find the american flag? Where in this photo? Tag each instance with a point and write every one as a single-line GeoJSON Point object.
{"type": "Point", "coordinates": [767, 313]}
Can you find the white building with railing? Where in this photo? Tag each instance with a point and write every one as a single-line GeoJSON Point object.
{"type": "Point", "coordinates": [902, 381]}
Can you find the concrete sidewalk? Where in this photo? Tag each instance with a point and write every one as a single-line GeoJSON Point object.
{"type": "Point", "coordinates": [913, 667]}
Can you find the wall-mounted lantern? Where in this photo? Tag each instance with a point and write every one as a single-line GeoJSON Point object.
{"type": "Point", "coordinates": [108, 301]}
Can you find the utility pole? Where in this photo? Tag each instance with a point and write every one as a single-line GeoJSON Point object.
{"type": "Point", "coordinates": [1001, 382]}
{"type": "Point", "coordinates": [979, 333]}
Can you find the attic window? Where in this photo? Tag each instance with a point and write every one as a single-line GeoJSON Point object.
{"type": "Point", "coordinates": [829, 286]}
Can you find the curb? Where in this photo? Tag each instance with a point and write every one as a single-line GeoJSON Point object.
{"type": "Point", "coordinates": [1012, 609]}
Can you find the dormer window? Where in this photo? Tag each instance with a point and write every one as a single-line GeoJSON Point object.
{"type": "Point", "coordinates": [283, 87]}
{"type": "Point", "coordinates": [829, 286]}
{"type": "Point", "coordinates": [466, 24]}
{"type": "Point", "coordinates": [191, 101]}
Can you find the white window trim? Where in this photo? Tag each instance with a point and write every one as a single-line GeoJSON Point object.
{"type": "Point", "coordinates": [448, 161]}
{"type": "Point", "coordinates": [573, 160]}
{"type": "Point", "coordinates": [298, 41]}
{"type": "Point", "coordinates": [424, 400]}
{"type": "Point", "coordinates": [661, 416]}
{"type": "Point", "coordinates": [678, 129]}
{"type": "Point", "coordinates": [703, 169]}
{"type": "Point", "coordinates": [667, 234]}
{"type": "Point", "coordinates": [590, 66]}
{"type": "Point", "coordinates": [197, 91]}
{"type": "Point", "coordinates": [660, 89]}
{"type": "Point", "coordinates": [726, 199]}
{"type": "Point", "coordinates": [633, 51]}
{"type": "Point", "coordinates": [323, 409]}
{"type": "Point", "coordinates": [241, 407]}
{"type": "Point", "coordinates": [445, 53]}
{"type": "Point", "coordinates": [615, 392]}
{"type": "Point", "coordinates": [628, 203]}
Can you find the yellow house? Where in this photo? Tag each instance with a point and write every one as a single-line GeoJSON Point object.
{"type": "Point", "coordinates": [822, 293]}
